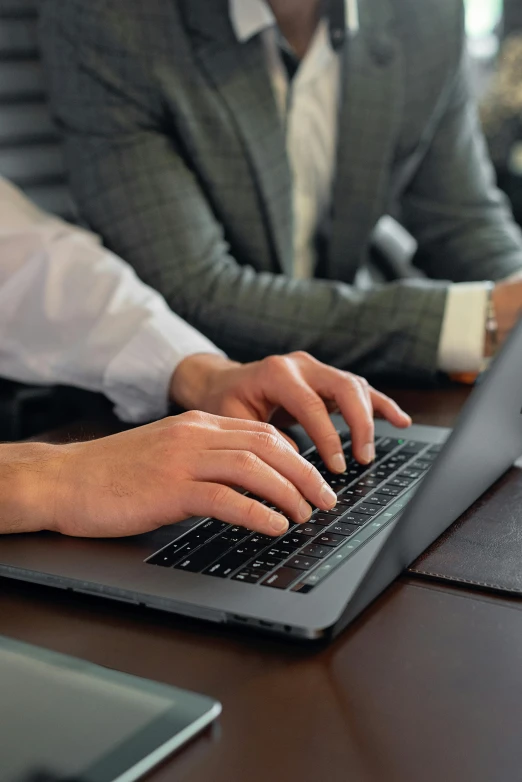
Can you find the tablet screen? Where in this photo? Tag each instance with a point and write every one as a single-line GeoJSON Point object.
{"type": "Point", "coordinates": [74, 720]}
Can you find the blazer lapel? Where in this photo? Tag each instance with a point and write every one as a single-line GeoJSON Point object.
{"type": "Point", "coordinates": [371, 108]}
{"type": "Point", "coordinates": [239, 74]}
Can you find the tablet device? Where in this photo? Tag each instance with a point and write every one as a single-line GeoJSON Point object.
{"type": "Point", "coordinates": [65, 719]}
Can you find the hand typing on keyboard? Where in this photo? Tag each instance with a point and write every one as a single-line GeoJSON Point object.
{"type": "Point", "coordinates": [285, 389]}
{"type": "Point", "coordinates": [137, 481]}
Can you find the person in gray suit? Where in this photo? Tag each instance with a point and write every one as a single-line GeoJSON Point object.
{"type": "Point", "coordinates": [239, 154]}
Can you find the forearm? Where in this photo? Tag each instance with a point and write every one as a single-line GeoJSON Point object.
{"type": "Point", "coordinates": [29, 480]}
{"type": "Point", "coordinates": [72, 313]}
{"type": "Point", "coordinates": [251, 314]}
{"type": "Point", "coordinates": [373, 332]}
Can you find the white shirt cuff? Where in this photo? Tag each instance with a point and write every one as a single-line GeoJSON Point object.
{"type": "Point", "coordinates": [138, 378]}
{"type": "Point", "coordinates": [461, 346]}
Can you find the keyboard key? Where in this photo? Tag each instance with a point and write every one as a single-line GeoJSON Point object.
{"type": "Point", "coordinates": [372, 482]}
{"type": "Point", "coordinates": [355, 492]}
{"type": "Point", "coordinates": [282, 578]}
{"type": "Point", "coordinates": [429, 457]}
{"type": "Point", "coordinates": [313, 550]}
{"type": "Point", "coordinates": [381, 473]}
{"type": "Point", "coordinates": [413, 474]}
{"type": "Point", "coordinates": [379, 499]}
{"type": "Point", "coordinates": [387, 444]}
{"type": "Point", "coordinates": [258, 566]}
{"type": "Point", "coordinates": [248, 577]}
{"type": "Point", "coordinates": [260, 540]}
{"type": "Point", "coordinates": [343, 529]}
{"type": "Point", "coordinates": [203, 557]}
{"type": "Point", "coordinates": [339, 482]}
{"type": "Point", "coordinates": [233, 538]}
{"type": "Point", "coordinates": [168, 556]}
{"type": "Point", "coordinates": [354, 518]}
{"type": "Point", "coordinates": [400, 482]}
{"type": "Point", "coordinates": [398, 458]}
{"type": "Point", "coordinates": [292, 541]}
{"type": "Point", "coordinates": [267, 562]}
{"type": "Point", "coordinates": [355, 472]}
{"type": "Point", "coordinates": [214, 526]}
{"type": "Point", "coordinates": [329, 540]}
{"type": "Point", "coordinates": [421, 464]}
{"type": "Point", "coordinates": [337, 511]}
{"type": "Point", "coordinates": [322, 520]}
{"type": "Point", "coordinates": [388, 490]}
{"type": "Point", "coordinates": [306, 530]}
{"type": "Point", "coordinates": [279, 552]}
{"type": "Point", "coordinates": [303, 563]}
{"type": "Point", "coordinates": [234, 560]}
{"type": "Point", "coordinates": [368, 510]}
{"type": "Point", "coordinates": [412, 447]}
{"type": "Point", "coordinates": [220, 569]}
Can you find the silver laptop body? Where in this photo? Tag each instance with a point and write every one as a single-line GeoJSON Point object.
{"type": "Point", "coordinates": [326, 598]}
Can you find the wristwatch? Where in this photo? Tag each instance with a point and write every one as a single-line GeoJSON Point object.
{"type": "Point", "coordinates": [491, 335]}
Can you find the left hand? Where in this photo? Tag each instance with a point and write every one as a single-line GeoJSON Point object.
{"type": "Point", "coordinates": [282, 389]}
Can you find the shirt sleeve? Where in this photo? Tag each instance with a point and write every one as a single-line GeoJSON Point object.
{"type": "Point", "coordinates": [73, 313]}
{"type": "Point", "coordinates": [461, 346]}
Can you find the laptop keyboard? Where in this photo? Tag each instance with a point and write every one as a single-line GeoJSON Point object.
{"type": "Point", "coordinates": [369, 497]}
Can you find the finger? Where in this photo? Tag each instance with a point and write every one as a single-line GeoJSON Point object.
{"type": "Point", "coordinates": [389, 409]}
{"type": "Point", "coordinates": [245, 469]}
{"type": "Point", "coordinates": [301, 401]}
{"type": "Point", "coordinates": [290, 442]}
{"type": "Point", "coordinates": [355, 405]}
{"type": "Point", "coordinates": [225, 504]}
{"type": "Point", "coordinates": [275, 452]}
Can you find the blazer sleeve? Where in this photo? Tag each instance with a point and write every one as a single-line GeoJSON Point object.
{"type": "Point", "coordinates": [136, 190]}
{"type": "Point", "coordinates": [461, 220]}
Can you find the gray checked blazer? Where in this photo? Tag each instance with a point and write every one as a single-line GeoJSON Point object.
{"type": "Point", "coordinates": [177, 157]}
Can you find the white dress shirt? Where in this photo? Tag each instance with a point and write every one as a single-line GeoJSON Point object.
{"type": "Point", "coordinates": [309, 108]}
{"type": "Point", "coordinates": [73, 313]}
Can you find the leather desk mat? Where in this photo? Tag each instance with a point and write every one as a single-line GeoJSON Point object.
{"type": "Point", "coordinates": [483, 548]}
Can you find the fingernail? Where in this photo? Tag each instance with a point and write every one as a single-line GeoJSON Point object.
{"type": "Point", "coordinates": [338, 462]}
{"type": "Point", "coordinates": [328, 496]}
{"type": "Point", "coordinates": [305, 511]}
{"type": "Point", "coordinates": [278, 523]}
{"type": "Point", "coordinates": [368, 453]}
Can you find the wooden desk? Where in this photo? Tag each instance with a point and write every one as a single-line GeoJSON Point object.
{"type": "Point", "coordinates": [425, 686]}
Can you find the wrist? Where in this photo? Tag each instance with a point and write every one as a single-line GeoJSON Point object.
{"type": "Point", "coordinates": [29, 487]}
{"type": "Point", "coordinates": [193, 379]}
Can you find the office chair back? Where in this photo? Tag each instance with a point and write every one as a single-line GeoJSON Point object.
{"type": "Point", "coordinates": [30, 151]}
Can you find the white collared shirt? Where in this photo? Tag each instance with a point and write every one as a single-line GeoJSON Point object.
{"type": "Point", "coordinates": [73, 313]}
{"type": "Point", "coordinates": [309, 108]}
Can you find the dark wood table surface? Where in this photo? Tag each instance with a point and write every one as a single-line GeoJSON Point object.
{"type": "Point", "coordinates": [425, 686]}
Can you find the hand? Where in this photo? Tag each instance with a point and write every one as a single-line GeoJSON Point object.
{"type": "Point", "coordinates": [137, 481]}
{"type": "Point", "coordinates": [507, 301]}
{"type": "Point", "coordinates": [297, 385]}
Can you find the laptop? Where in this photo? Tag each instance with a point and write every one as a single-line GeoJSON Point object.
{"type": "Point", "coordinates": [314, 580]}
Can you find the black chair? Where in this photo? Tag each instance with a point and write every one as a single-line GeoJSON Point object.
{"type": "Point", "coordinates": [31, 157]}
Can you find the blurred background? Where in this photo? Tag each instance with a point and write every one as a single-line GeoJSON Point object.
{"type": "Point", "coordinates": [31, 154]}
{"type": "Point", "coordinates": [495, 43]}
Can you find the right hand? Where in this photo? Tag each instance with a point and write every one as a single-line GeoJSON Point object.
{"type": "Point", "coordinates": [507, 301]}
{"type": "Point", "coordinates": [184, 466]}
